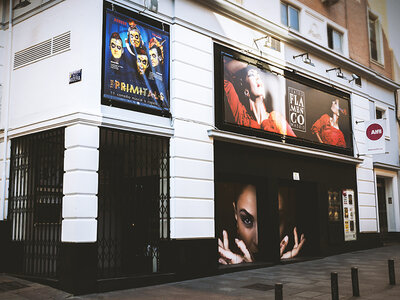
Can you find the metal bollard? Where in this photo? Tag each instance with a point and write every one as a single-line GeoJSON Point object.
{"type": "Point", "coordinates": [354, 282]}
{"type": "Point", "coordinates": [278, 291]}
{"type": "Point", "coordinates": [334, 286]}
{"type": "Point", "coordinates": [392, 277]}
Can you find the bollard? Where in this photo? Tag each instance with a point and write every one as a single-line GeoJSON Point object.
{"type": "Point", "coordinates": [392, 278]}
{"type": "Point", "coordinates": [278, 291]}
{"type": "Point", "coordinates": [354, 282]}
{"type": "Point", "coordinates": [334, 286]}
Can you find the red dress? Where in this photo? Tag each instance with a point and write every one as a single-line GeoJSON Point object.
{"type": "Point", "coordinates": [328, 134]}
{"type": "Point", "coordinates": [274, 123]}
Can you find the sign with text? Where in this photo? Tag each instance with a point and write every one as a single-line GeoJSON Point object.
{"type": "Point", "coordinates": [375, 136]}
{"type": "Point", "coordinates": [136, 63]}
{"type": "Point", "coordinates": [75, 76]}
{"type": "Point", "coordinates": [257, 99]}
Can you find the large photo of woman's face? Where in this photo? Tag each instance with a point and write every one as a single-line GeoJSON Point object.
{"type": "Point", "coordinates": [237, 223]}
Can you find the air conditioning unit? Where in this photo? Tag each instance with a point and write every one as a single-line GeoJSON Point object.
{"type": "Point", "coordinates": [329, 2]}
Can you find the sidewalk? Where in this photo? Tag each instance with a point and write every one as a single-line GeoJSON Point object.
{"type": "Point", "coordinates": [305, 280]}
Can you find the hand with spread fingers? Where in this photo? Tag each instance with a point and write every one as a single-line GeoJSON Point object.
{"type": "Point", "coordinates": [227, 257]}
{"type": "Point", "coordinates": [296, 248]}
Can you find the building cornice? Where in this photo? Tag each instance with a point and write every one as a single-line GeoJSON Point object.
{"type": "Point", "coordinates": [279, 146]}
{"type": "Point", "coordinates": [378, 165]}
{"type": "Point", "coordinates": [110, 117]}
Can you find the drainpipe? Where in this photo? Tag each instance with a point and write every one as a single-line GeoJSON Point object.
{"type": "Point", "coordinates": [6, 111]}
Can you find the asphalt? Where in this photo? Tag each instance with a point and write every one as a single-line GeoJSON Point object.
{"type": "Point", "coordinates": [302, 280]}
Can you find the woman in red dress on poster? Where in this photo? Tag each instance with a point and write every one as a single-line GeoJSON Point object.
{"type": "Point", "coordinates": [326, 128]}
{"type": "Point", "coordinates": [252, 111]}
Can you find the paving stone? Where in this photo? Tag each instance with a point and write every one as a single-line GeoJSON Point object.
{"type": "Point", "coordinates": [303, 280]}
{"type": "Point", "coordinates": [308, 294]}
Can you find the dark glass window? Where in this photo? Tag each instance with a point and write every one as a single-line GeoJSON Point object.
{"type": "Point", "coordinates": [335, 39]}
{"type": "Point", "coordinates": [373, 37]}
{"type": "Point", "coordinates": [379, 114]}
{"type": "Point", "coordinates": [290, 16]}
{"type": "Point", "coordinates": [284, 14]}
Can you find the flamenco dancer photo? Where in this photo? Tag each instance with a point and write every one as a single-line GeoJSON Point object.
{"type": "Point", "coordinates": [326, 128]}
{"type": "Point", "coordinates": [246, 96]}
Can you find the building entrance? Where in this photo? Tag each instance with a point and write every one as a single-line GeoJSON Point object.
{"type": "Point", "coordinates": [36, 193]}
{"type": "Point", "coordinates": [133, 202]}
{"type": "Point", "coordinates": [381, 191]}
{"type": "Point", "coordinates": [298, 219]}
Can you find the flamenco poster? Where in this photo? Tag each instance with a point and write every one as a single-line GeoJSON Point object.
{"type": "Point", "coordinates": [261, 100]}
{"type": "Point", "coordinates": [136, 63]}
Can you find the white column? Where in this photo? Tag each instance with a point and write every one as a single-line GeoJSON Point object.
{"type": "Point", "coordinates": [192, 157]}
{"type": "Point", "coordinates": [367, 208]}
{"type": "Point", "coordinates": [81, 163]}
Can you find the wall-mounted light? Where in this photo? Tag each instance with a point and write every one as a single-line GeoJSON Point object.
{"type": "Point", "coordinates": [354, 77]}
{"type": "Point", "coordinates": [22, 4]}
{"type": "Point", "coordinates": [268, 41]}
{"type": "Point", "coordinates": [338, 72]}
{"type": "Point", "coordinates": [306, 58]}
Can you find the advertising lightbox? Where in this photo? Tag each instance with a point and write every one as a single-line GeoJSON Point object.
{"type": "Point", "coordinates": [256, 100]}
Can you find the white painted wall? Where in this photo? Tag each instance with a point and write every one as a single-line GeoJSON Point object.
{"type": "Point", "coordinates": [192, 107]}
{"type": "Point", "coordinates": [367, 207]}
{"type": "Point", "coordinates": [41, 90]}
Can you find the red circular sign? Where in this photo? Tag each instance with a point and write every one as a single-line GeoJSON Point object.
{"type": "Point", "coordinates": [374, 132]}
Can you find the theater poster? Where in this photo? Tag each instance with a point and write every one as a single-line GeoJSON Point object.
{"type": "Point", "coordinates": [267, 102]}
{"type": "Point", "coordinates": [136, 63]}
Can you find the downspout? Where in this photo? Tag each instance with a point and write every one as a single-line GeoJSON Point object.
{"type": "Point", "coordinates": [3, 214]}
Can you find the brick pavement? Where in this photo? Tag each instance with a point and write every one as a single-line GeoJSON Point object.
{"type": "Point", "coordinates": [303, 280]}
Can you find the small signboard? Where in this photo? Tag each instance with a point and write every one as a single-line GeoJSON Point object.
{"type": "Point", "coordinates": [349, 215]}
{"type": "Point", "coordinates": [75, 76]}
{"type": "Point", "coordinates": [375, 136]}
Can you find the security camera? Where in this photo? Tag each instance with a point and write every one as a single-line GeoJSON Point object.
{"type": "Point", "coordinates": [354, 77]}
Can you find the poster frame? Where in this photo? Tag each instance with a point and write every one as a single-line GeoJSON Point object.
{"type": "Point", "coordinates": [151, 22]}
{"type": "Point", "coordinates": [220, 51]}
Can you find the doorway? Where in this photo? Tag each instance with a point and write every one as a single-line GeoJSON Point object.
{"type": "Point", "coordinates": [381, 192]}
{"type": "Point", "coordinates": [35, 205]}
{"type": "Point", "coordinates": [133, 199]}
{"type": "Point", "coordinates": [298, 213]}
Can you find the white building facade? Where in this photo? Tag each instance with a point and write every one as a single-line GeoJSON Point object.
{"type": "Point", "coordinates": [95, 188]}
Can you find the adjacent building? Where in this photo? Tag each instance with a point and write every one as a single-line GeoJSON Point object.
{"type": "Point", "coordinates": [148, 141]}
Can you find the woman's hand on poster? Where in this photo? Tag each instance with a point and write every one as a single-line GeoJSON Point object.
{"type": "Point", "coordinates": [296, 248]}
{"type": "Point", "coordinates": [227, 257]}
